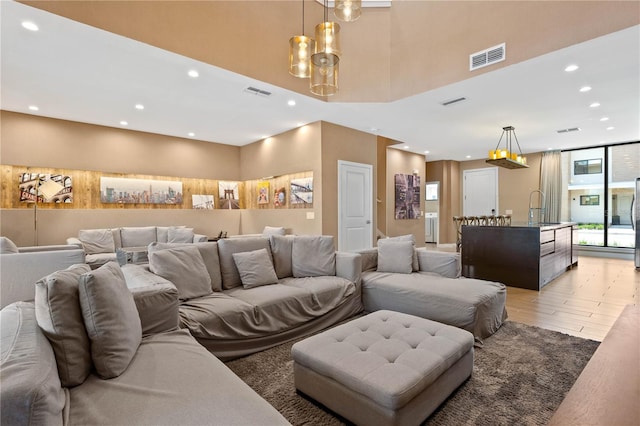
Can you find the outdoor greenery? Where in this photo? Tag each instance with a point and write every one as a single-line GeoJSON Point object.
{"type": "Point", "coordinates": [591, 226]}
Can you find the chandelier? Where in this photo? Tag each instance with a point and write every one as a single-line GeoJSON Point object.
{"type": "Point", "coordinates": [507, 157]}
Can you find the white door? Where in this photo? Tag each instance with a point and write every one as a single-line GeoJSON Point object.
{"type": "Point", "coordinates": [480, 192]}
{"type": "Point", "coordinates": [355, 212]}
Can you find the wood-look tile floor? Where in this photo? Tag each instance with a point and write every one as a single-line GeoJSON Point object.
{"type": "Point", "coordinates": [584, 301]}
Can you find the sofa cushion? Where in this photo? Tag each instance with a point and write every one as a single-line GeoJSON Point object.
{"type": "Point", "coordinates": [140, 236]}
{"type": "Point", "coordinates": [409, 237]}
{"type": "Point", "coordinates": [313, 256]}
{"type": "Point", "coordinates": [281, 247]}
{"type": "Point", "coordinates": [442, 263]}
{"type": "Point", "coordinates": [185, 268]}
{"type": "Point", "coordinates": [96, 241]}
{"type": "Point", "coordinates": [209, 252]}
{"type": "Point", "coordinates": [7, 246]}
{"type": "Point", "coordinates": [273, 230]}
{"type": "Point", "coordinates": [226, 248]}
{"type": "Point", "coordinates": [395, 256]}
{"type": "Point", "coordinates": [59, 316]}
{"type": "Point", "coordinates": [111, 319]}
{"type": "Point", "coordinates": [162, 233]}
{"type": "Point", "coordinates": [31, 393]}
{"type": "Point", "coordinates": [180, 235]}
{"type": "Point", "coordinates": [255, 268]}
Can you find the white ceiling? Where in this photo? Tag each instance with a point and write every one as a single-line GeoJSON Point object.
{"type": "Point", "coordinates": [76, 72]}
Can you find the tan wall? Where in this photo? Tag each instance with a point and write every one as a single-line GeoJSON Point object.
{"type": "Point", "coordinates": [514, 186]}
{"type": "Point", "coordinates": [402, 162]}
{"type": "Point", "coordinates": [447, 172]}
{"type": "Point", "coordinates": [388, 49]}
{"type": "Point", "coordinates": [342, 143]}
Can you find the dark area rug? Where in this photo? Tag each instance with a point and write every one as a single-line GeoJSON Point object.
{"type": "Point", "coordinates": [520, 376]}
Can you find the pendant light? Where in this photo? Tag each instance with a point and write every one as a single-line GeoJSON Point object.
{"type": "Point", "coordinates": [300, 50]}
{"type": "Point", "coordinates": [506, 157]}
{"type": "Point", "coordinates": [347, 10]}
{"type": "Point", "coordinates": [324, 63]}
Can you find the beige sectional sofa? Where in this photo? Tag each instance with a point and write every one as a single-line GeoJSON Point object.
{"type": "Point", "coordinates": [101, 245]}
{"type": "Point", "coordinates": [83, 355]}
{"type": "Point", "coordinates": [304, 286]}
{"type": "Point", "coordinates": [428, 284]}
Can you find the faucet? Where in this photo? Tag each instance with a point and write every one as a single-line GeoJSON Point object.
{"type": "Point", "coordinates": [540, 208]}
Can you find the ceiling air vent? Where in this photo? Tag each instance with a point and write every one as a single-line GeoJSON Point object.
{"type": "Point", "coordinates": [487, 57]}
{"type": "Point", "coordinates": [453, 101]}
{"type": "Point", "coordinates": [255, 91]}
{"type": "Point", "coordinates": [573, 129]}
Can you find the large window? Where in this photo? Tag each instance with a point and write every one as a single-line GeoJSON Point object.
{"type": "Point", "coordinates": [598, 185]}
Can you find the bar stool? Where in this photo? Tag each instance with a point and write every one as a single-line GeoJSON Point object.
{"type": "Point", "coordinates": [483, 220]}
{"type": "Point", "coordinates": [459, 221]}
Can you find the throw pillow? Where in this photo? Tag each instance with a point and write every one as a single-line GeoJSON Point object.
{"type": "Point", "coordinates": [226, 248]}
{"type": "Point", "coordinates": [273, 230]}
{"type": "Point", "coordinates": [7, 246]}
{"type": "Point", "coordinates": [255, 268]}
{"type": "Point", "coordinates": [59, 316]}
{"type": "Point", "coordinates": [209, 252]}
{"type": "Point", "coordinates": [313, 256]}
{"type": "Point", "coordinates": [180, 235]}
{"type": "Point", "coordinates": [111, 319]}
{"type": "Point", "coordinates": [138, 236]}
{"type": "Point", "coordinates": [409, 237]}
{"type": "Point", "coordinates": [96, 241]}
{"type": "Point", "coordinates": [395, 256]}
{"type": "Point", "coordinates": [185, 268]}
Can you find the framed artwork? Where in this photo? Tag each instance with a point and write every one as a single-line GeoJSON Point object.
{"type": "Point", "coordinates": [302, 191]}
{"type": "Point", "coordinates": [431, 191]}
{"type": "Point", "coordinates": [202, 202]}
{"type": "Point", "coordinates": [229, 195]}
{"type": "Point", "coordinates": [407, 196]}
{"type": "Point", "coordinates": [280, 197]}
{"type": "Point", "coordinates": [48, 188]}
{"type": "Point", "coordinates": [263, 192]}
{"type": "Point", "coordinates": [140, 191]}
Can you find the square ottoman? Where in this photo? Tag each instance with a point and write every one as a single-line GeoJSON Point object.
{"type": "Point", "coordinates": [386, 368]}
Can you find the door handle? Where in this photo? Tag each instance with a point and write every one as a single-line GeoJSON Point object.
{"type": "Point", "coordinates": [368, 222]}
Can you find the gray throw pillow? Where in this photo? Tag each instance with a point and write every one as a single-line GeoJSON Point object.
{"type": "Point", "coordinates": [96, 241]}
{"type": "Point", "coordinates": [255, 268]}
{"type": "Point", "coordinates": [7, 246]}
{"type": "Point", "coordinates": [409, 237]}
{"type": "Point", "coordinates": [111, 319]}
{"type": "Point", "coordinates": [209, 252]}
{"type": "Point", "coordinates": [60, 318]}
{"type": "Point", "coordinates": [313, 256]}
{"type": "Point", "coordinates": [180, 235]}
{"type": "Point", "coordinates": [395, 256]}
{"type": "Point", "coordinates": [226, 248]}
{"type": "Point", "coordinates": [185, 268]}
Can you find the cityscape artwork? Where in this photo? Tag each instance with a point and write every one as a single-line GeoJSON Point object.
{"type": "Point", "coordinates": [407, 196]}
{"type": "Point", "coordinates": [140, 191]}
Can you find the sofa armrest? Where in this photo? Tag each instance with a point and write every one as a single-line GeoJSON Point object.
{"type": "Point", "coordinates": [74, 241]}
{"type": "Point", "coordinates": [349, 266]}
{"type": "Point", "coordinates": [156, 299]}
{"type": "Point", "coordinates": [200, 238]}
{"type": "Point", "coordinates": [37, 249]}
{"type": "Point", "coordinates": [442, 263]}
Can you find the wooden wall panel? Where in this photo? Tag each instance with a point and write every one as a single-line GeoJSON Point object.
{"type": "Point", "coordinates": [284, 181]}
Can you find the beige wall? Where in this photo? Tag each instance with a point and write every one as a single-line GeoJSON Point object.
{"type": "Point", "coordinates": [447, 172]}
{"type": "Point", "coordinates": [403, 162]}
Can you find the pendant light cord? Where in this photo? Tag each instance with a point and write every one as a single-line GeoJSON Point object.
{"type": "Point", "coordinates": [302, 17]}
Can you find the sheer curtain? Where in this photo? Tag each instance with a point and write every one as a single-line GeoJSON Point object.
{"type": "Point", "coordinates": [551, 184]}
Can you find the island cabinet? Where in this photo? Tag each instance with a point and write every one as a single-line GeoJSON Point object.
{"type": "Point", "coordinates": [528, 256]}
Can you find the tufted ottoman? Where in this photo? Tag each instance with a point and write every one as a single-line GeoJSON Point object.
{"type": "Point", "coordinates": [386, 368]}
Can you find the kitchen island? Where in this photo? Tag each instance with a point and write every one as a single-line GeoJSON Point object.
{"type": "Point", "coordinates": [524, 256]}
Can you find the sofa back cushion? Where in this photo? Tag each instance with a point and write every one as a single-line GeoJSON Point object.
{"type": "Point", "coordinates": [395, 256]}
{"type": "Point", "coordinates": [59, 316]}
{"type": "Point", "coordinates": [96, 241]}
{"type": "Point", "coordinates": [313, 256]}
{"type": "Point", "coordinates": [140, 236]}
{"type": "Point", "coordinates": [281, 249]}
{"type": "Point", "coordinates": [209, 253]}
{"type": "Point", "coordinates": [111, 319]}
{"type": "Point", "coordinates": [226, 248]}
{"type": "Point", "coordinates": [180, 235]}
{"type": "Point", "coordinates": [31, 393]}
{"type": "Point", "coordinates": [185, 268]}
{"type": "Point", "coordinates": [7, 246]}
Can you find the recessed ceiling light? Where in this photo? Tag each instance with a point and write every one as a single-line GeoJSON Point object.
{"type": "Point", "coordinates": [139, 106]}
{"type": "Point", "coordinates": [468, 156]}
{"type": "Point", "coordinates": [549, 149]}
{"type": "Point", "coordinates": [571, 68]}
{"type": "Point", "coordinates": [291, 102]}
{"type": "Point", "coordinates": [299, 124]}
{"type": "Point", "coordinates": [585, 88]}
{"type": "Point", "coordinates": [124, 123]}
{"type": "Point", "coordinates": [33, 108]}
{"type": "Point", "coordinates": [610, 128]}
{"type": "Point", "coordinates": [426, 152]}
{"type": "Point", "coordinates": [374, 129]}
{"type": "Point", "coordinates": [406, 147]}
{"type": "Point", "coordinates": [595, 105]}
{"type": "Point", "coordinates": [193, 73]}
{"type": "Point", "coordinates": [604, 119]}
{"type": "Point", "coordinates": [191, 134]}
{"type": "Point", "coordinates": [29, 26]}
